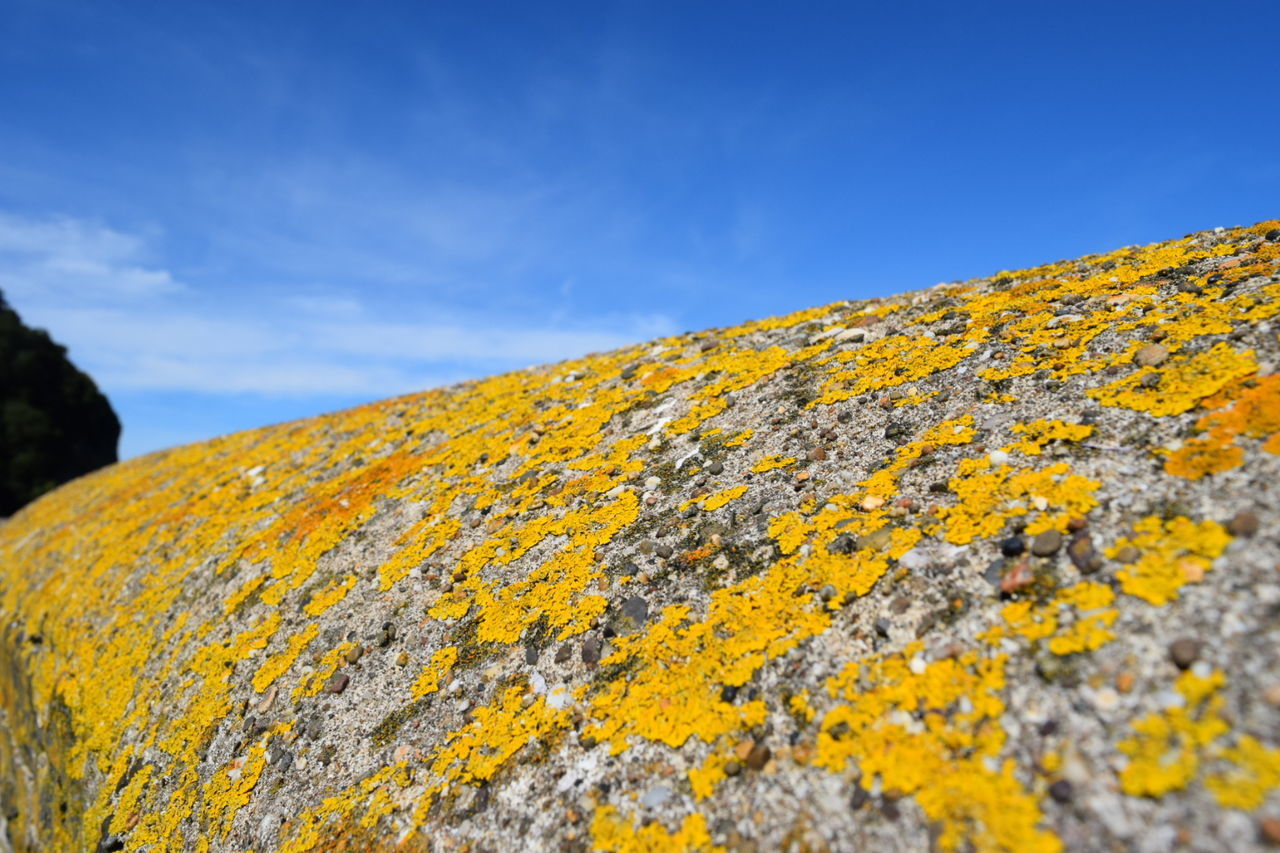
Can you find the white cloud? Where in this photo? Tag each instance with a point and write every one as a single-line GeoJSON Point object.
{"type": "Point", "coordinates": [62, 258]}
{"type": "Point", "coordinates": [136, 328]}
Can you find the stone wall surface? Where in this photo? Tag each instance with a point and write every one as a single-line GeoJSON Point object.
{"type": "Point", "coordinates": [991, 566]}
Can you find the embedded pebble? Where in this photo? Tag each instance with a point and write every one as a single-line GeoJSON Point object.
{"type": "Point", "coordinates": [337, 682]}
{"type": "Point", "coordinates": [1128, 555]}
{"type": "Point", "coordinates": [591, 650]}
{"type": "Point", "coordinates": [1013, 546]}
{"type": "Point", "coordinates": [655, 796]}
{"type": "Point", "coordinates": [1243, 524]}
{"type": "Point", "coordinates": [1183, 652]}
{"type": "Point", "coordinates": [1083, 555]}
{"type": "Point", "coordinates": [758, 757]}
{"type": "Point", "coordinates": [1046, 543]}
{"type": "Point", "coordinates": [1150, 355]}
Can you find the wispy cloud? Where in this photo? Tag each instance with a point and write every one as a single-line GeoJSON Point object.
{"type": "Point", "coordinates": [137, 328]}
{"type": "Point", "coordinates": [63, 258]}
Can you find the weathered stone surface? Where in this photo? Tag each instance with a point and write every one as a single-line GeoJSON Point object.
{"type": "Point", "coordinates": [620, 603]}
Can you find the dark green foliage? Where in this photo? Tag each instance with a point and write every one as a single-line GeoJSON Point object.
{"type": "Point", "coordinates": [54, 423]}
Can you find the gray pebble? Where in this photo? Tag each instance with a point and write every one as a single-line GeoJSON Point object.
{"type": "Point", "coordinates": [1046, 544]}
{"type": "Point", "coordinates": [655, 796]}
{"type": "Point", "coordinates": [591, 649]}
{"type": "Point", "coordinates": [1183, 652]}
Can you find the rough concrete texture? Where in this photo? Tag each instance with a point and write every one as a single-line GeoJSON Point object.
{"type": "Point", "coordinates": [989, 566]}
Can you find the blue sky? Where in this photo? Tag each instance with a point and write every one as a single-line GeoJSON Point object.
{"type": "Point", "coordinates": [235, 214]}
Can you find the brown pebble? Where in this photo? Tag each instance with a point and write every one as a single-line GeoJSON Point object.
{"type": "Point", "coordinates": [337, 683]}
{"type": "Point", "coordinates": [402, 659]}
{"type": "Point", "coordinates": [1184, 652]}
{"type": "Point", "coordinates": [1150, 355]}
{"type": "Point", "coordinates": [817, 454]}
{"type": "Point", "coordinates": [732, 768]}
{"type": "Point", "coordinates": [1046, 544]}
{"type": "Point", "coordinates": [1243, 524]}
{"type": "Point", "coordinates": [354, 653]}
{"type": "Point", "coordinates": [1124, 682]}
{"type": "Point", "coordinates": [1083, 555]}
{"type": "Point", "coordinates": [1272, 696]}
{"type": "Point", "coordinates": [1269, 829]}
{"type": "Point", "coordinates": [1077, 524]}
{"type": "Point", "coordinates": [1128, 554]}
{"type": "Point", "coordinates": [759, 756]}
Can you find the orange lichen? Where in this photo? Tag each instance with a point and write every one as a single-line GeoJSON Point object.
{"type": "Point", "coordinates": [1254, 413]}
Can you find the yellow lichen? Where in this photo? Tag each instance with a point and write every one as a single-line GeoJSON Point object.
{"type": "Point", "coordinates": [611, 832]}
{"type": "Point", "coordinates": [442, 662]}
{"type": "Point", "coordinates": [769, 463]}
{"type": "Point", "coordinates": [1039, 433]}
{"type": "Point", "coordinates": [1181, 385]}
{"type": "Point", "coordinates": [1172, 553]}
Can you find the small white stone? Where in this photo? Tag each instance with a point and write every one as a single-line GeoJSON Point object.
{"type": "Point", "coordinates": [914, 560]}
{"type": "Point", "coordinates": [1201, 669]}
{"type": "Point", "coordinates": [652, 483]}
{"type": "Point", "coordinates": [998, 457]}
{"type": "Point", "coordinates": [1105, 699]}
{"type": "Point", "coordinates": [917, 665]}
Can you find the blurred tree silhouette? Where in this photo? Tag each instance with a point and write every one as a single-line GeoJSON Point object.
{"type": "Point", "coordinates": [54, 423]}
